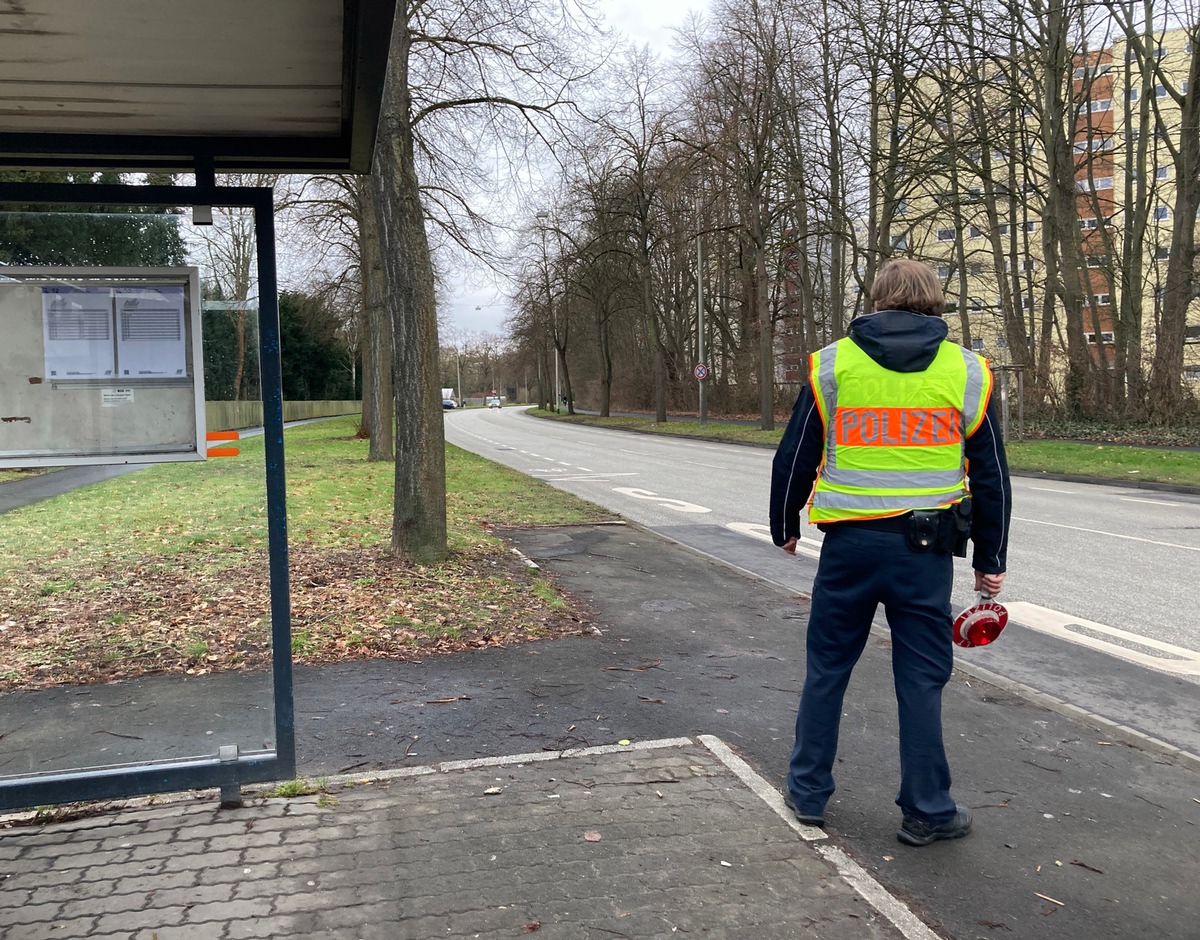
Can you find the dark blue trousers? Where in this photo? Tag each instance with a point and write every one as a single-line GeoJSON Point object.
{"type": "Point", "coordinates": [860, 569]}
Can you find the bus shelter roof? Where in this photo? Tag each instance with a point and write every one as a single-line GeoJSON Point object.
{"type": "Point", "coordinates": [172, 85]}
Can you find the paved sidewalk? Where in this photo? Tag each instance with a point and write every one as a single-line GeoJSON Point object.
{"type": "Point", "coordinates": [655, 840]}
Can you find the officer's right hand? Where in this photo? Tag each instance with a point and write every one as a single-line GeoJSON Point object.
{"type": "Point", "coordinates": [790, 545]}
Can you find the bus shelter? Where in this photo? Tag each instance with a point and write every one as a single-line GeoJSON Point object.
{"type": "Point", "coordinates": [102, 365]}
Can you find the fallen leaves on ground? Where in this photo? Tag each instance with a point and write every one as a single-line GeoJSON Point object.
{"type": "Point", "coordinates": [194, 616]}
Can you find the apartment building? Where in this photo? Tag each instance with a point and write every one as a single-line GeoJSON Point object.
{"type": "Point", "coordinates": [972, 199]}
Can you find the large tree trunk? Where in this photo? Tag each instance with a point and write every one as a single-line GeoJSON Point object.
{"type": "Point", "coordinates": [378, 405]}
{"type": "Point", "coordinates": [419, 514]}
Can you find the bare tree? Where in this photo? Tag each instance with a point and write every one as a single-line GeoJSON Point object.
{"type": "Point", "coordinates": [493, 61]}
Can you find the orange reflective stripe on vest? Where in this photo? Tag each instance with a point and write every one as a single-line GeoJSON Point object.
{"type": "Point", "coordinates": [897, 427]}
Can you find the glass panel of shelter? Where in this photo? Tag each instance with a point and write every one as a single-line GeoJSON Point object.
{"type": "Point", "coordinates": [135, 598]}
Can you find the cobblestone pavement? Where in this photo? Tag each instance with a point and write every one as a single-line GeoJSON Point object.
{"type": "Point", "coordinates": [675, 838]}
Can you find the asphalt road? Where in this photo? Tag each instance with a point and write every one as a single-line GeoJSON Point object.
{"type": "Point", "coordinates": [1100, 587]}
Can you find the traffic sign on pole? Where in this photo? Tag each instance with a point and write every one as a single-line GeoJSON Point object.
{"type": "Point", "coordinates": [701, 371]}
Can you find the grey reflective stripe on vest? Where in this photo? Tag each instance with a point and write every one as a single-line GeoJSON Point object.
{"type": "Point", "coordinates": [829, 394]}
{"type": "Point", "coordinates": [887, 479]}
{"type": "Point", "coordinates": [973, 399]}
{"type": "Point", "coordinates": [830, 500]}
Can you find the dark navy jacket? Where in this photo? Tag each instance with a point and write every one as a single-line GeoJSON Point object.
{"type": "Point", "coordinates": [903, 342]}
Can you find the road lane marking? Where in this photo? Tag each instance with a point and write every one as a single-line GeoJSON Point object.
{"type": "Point", "coordinates": [756, 530]}
{"type": "Point", "coordinates": [1177, 660]}
{"type": "Point", "coordinates": [1115, 535]}
{"type": "Point", "coordinates": [1156, 502]}
{"type": "Point", "coordinates": [679, 505]}
{"type": "Point", "coordinates": [1050, 489]}
{"type": "Point", "coordinates": [589, 478]}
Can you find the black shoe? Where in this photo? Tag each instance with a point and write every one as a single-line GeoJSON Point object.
{"type": "Point", "coordinates": [918, 831]}
{"type": "Point", "coordinates": [806, 818]}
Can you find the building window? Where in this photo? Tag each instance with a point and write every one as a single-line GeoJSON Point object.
{"type": "Point", "coordinates": [1102, 104]}
{"type": "Point", "coordinates": [1162, 172]}
{"type": "Point", "coordinates": [1133, 94]}
{"type": "Point", "coordinates": [975, 268]}
{"type": "Point", "coordinates": [943, 271]}
{"type": "Point", "coordinates": [974, 231]}
{"type": "Point", "coordinates": [977, 343]}
{"type": "Point", "coordinates": [1002, 228]}
{"type": "Point", "coordinates": [1103, 300]}
{"type": "Point", "coordinates": [1097, 261]}
{"type": "Point", "coordinates": [945, 235]}
{"type": "Point", "coordinates": [1105, 336]}
{"type": "Point", "coordinates": [1161, 213]}
{"type": "Point", "coordinates": [1025, 264]}
{"type": "Point", "coordinates": [1151, 53]}
{"type": "Point", "coordinates": [1160, 91]}
{"type": "Point", "coordinates": [1029, 226]}
{"type": "Point", "coordinates": [1162, 253]}
{"type": "Point", "coordinates": [1088, 224]}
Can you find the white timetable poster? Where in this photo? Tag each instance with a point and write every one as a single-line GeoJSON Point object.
{"type": "Point", "coordinates": [77, 330]}
{"type": "Point", "coordinates": [151, 340]}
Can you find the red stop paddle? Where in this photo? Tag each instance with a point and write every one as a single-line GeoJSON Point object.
{"type": "Point", "coordinates": [981, 624]}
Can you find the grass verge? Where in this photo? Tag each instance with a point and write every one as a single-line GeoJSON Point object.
{"type": "Point", "coordinates": [166, 569]}
{"type": "Point", "coordinates": [1100, 461]}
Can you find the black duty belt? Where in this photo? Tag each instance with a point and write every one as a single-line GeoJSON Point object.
{"type": "Point", "coordinates": [897, 524]}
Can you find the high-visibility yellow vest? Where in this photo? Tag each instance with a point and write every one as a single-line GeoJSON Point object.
{"type": "Point", "coordinates": [894, 440]}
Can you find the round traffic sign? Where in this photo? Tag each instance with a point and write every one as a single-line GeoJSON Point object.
{"type": "Point", "coordinates": [701, 371]}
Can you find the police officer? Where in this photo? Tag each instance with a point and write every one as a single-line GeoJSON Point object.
{"type": "Point", "coordinates": [896, 419]}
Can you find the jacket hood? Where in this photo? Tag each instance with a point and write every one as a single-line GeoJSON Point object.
{"type": "Point", "coordinates": [899, 340]}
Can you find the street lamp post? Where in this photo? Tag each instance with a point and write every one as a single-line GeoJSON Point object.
{"type": "Point", "coordinates": [543, 215]}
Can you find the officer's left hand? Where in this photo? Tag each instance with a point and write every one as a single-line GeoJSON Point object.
{"type": "Point", "coordinates": [790, 545]}
{"type": "Point", "coordinates": [990, 584]}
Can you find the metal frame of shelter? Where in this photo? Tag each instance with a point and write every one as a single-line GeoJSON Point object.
{"type": "Point", "coordinates": [366, 39]}
{"type": "Point", "coordinates": [228, 770]}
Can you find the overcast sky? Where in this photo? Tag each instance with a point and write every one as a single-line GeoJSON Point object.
{"type": "Point", "coordinates": [642, 22]}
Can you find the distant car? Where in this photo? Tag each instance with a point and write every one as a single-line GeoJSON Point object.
{"type": "Point", "coordinates": [449, 403]}
{"type": "Point", "coordinates": [493, 402]}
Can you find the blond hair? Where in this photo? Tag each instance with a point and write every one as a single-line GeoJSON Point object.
{"type": "Point", "coordinates": [903, 284]}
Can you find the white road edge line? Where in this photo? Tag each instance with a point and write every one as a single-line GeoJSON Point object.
{"type": "Point", "coordinates": [1111, 535]}
{"type": "Point", "coordinates": [756, 530]}
{"type": "Point", "coordinates": [1177, 660]}
{"type": "Point", "coordinates": [852, 873]}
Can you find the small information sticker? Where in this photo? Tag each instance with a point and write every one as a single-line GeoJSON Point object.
{"type": "Point", "coordinates": [115, 397]}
